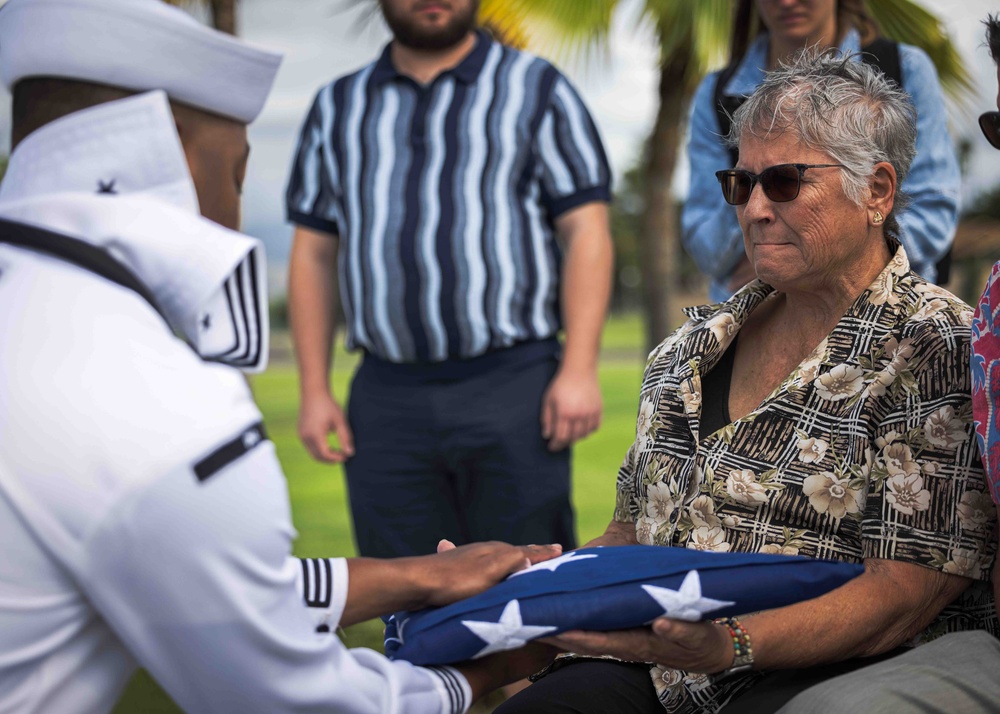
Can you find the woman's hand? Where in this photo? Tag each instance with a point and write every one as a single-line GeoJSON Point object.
{"type": "Point", "coordinates": [701, 647]}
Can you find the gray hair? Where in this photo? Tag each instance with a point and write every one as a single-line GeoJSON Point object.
{"type": "Point", "coordinates": [842, 107]}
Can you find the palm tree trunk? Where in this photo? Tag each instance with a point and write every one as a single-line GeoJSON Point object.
{"type": "Point", "coordinates": [658, 239]}
{"type": "Point", "coordinates": [224, 15]}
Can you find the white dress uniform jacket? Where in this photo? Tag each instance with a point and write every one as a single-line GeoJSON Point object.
{"type": "Point", "coordinates": [144, 519]}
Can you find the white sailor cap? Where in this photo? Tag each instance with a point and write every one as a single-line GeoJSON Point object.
{"type": "Point", "coordinates": [135, 44]}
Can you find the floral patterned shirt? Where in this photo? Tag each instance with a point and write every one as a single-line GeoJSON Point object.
{"type": "Point", "coordinates": [866, 450]}
{"type": "Point", "coordinates": [986, 379]}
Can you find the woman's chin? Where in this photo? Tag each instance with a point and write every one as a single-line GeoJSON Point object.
{"type": "Point", "coordinates": [774, 273]}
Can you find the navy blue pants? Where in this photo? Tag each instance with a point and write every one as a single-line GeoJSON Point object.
{"type": "Point", "coordinates": [455, 451]}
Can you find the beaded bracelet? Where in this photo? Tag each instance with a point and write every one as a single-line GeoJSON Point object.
{"type": "Point", "coordinates": [742, 651]}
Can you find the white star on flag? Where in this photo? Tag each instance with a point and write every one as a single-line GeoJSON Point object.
{"type": "Point", "coordinates": [687, 602]}
{"type": "Point", "coordinates": [508, 634]}
{"type": "Point", "coordinates": [551, 565]}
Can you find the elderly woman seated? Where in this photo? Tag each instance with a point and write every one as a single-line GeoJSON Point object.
{"type": "Point", "coordinates": [823, 410]}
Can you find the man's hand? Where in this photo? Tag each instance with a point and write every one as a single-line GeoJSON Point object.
{"type": "Point", "coordinates": [571, 408]}
{"type": "Point", "coordinates": [312, 307]}
{"type": "Point", "coordinates": [457, 573]}
{"type": "Point", "coordinates": [702, 647]}
{"type": "Point", "coordinates": [319, 416]}
{"type": "Point", "coordinates": [380, 587]}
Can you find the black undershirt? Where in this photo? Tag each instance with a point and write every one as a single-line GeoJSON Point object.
{"type": "Point", "coordinates": [715, 393]}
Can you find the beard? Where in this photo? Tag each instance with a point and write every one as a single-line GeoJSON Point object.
{"type": "Point", "coordinates": [410, 33]}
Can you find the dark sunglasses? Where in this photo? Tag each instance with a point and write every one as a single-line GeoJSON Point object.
{"type": "Point", "coordinates": [990, 124]}
{"type": "Point", "coordinates": [781, 183]}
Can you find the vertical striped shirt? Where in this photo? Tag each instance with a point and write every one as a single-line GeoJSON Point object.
{"type": "Point", "coordinates": [444, 198]}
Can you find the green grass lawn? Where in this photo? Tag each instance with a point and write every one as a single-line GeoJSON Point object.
{"type": "Point", "coordinates": [319, 504]}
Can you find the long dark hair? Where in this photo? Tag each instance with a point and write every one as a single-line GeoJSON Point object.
{"type": "Point", "coordinates": [747, 25]}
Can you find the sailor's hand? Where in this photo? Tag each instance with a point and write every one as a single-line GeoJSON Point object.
{"type": "Point", "coordinates": [378, 586]}
{"type": "Point", "coordinates": [486, 674]}
{"type": "Point", "coordinates": [456, 573]}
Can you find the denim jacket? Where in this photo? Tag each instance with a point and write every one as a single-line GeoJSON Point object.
{"type": "Point", "coordinates": [710, 231]}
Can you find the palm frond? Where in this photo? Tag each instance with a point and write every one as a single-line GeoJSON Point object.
{"type": "Point", "coordinates": [712, 26]}
{"type": "Point", "coordinates": [698, 31]}
{"type": "Point", "coordinates": [568, 29]}
{"type": "Point", "coordinates": [908, 21]}
{"type": "Point", "coordinates": [495, 16]}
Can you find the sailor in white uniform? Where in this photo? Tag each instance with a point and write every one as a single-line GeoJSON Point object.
{"type": "Point", "coordinates": [144, 519]}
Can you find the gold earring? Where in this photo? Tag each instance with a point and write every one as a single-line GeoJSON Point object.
{"type": "Point", "coordinates": [877, 218]}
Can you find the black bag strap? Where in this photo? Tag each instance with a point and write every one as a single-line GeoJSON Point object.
{"type": "Point", "coordinates": [884, 54]}
{"type": "Point", "coordinates": [881, 53]}
{"type": "Point", "coordinates": [79, 253]}
{"type": "Point", "coordinates": [725, 106]}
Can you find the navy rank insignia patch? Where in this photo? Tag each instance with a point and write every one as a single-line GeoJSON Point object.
{"type": "Point", "coordinates": [230, 451]}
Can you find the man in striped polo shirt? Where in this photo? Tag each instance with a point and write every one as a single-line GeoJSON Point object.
{"type": "Point", "coordinates": [457, 190]}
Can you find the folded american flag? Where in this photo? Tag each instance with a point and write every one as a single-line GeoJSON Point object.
{"type": "Point", "coordinates": [609, 589]}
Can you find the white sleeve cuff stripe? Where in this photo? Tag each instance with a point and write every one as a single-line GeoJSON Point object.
{"type": "Point", "coordinates": [241, 293]}
{"type": "Point", "coordinates": [317, 582]}
{"type": "Point", "coordinates": [457, 688]}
